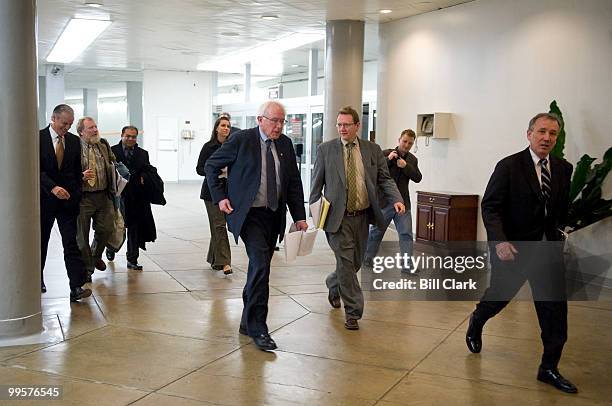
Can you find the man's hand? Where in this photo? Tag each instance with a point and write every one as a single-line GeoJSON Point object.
{"type": "Point", "coordinates": [505, 251]}
{"type": "Point", "coordinates": [399, 207]}
{"type": "Point", "coordinates": [301, 225]}
{"type": "Point", "coordinates": [88, 174]}
{"type": "Point", "coordinates": [401, 163]}
{"type": "Point", "coordinates": [225, 206]}
{"type": "Point", "coordinates": [60, 193]}
{"type": "Point", "coordinates": [393, 155]}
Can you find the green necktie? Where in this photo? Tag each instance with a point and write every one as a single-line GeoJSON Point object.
{"type": "Point", "coordinates": [351, 178]}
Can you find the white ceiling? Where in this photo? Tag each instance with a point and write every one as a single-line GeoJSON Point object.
{"type": "Point", "coordinates": [180, 34]}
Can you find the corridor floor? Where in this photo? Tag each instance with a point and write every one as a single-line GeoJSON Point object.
{"type": "Point", "coordinates": [168, 335]}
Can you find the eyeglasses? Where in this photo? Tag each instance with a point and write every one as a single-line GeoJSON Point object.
{"type": "Point", "coordinates": [345, 125]}
{"type": "Point", "coordinates": [276, 121]}
{"type": "Point", "coordinates": [133, 137]}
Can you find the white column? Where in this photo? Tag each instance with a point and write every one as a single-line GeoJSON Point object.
{"type": "Point", "coordinates": [313, 69]}
{"type": "Point", "coordinates": [134, 107]}
{"type": "Point", "coordinates": [343, 70]}
{"type": "Point", "coordinates": [247, 82]}
{"type": "Point", "coordinates": [54, 87]}
{"type": "Point", "coordinates": [90, 103]}
{"type": "Point", "coordinates": [20, 311]}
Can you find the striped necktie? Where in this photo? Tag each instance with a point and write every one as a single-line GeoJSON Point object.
{"type": "Point", "coordinates": [546, 189]}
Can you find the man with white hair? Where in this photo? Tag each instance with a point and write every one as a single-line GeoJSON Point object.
{"type": "Point", "coordinates": [98, 188]}
{"type": "Point", "coordinates": [263, 179]}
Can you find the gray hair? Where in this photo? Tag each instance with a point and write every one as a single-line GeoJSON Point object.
{"type": "Point", "coordinates": [62, 108]}
{"type": "Point", "coordinates": [81, 124]}
{"type": "Point", "coordinates": [264, 107]}
{"type": "Point", "coordinates": [550, 116]}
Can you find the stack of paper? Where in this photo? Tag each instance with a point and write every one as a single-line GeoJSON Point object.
{"type": "Point", "coordinates": [319, 210]}
{"type": "Point", "coordinates": [299, 243]}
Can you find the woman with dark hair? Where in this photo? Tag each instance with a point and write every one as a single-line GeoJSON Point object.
{"type": "Point", "coordinates": [219, 254]}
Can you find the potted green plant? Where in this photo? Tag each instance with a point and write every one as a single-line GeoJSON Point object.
{"type": "Point", "coordinates": [589, 223]}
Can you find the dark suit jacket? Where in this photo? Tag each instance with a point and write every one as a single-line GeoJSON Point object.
{"type": "Point", "coordinates": [136, 207]}
{"type": "Point", "coordinates": [512, 206]}
{"type": "Point", "coordinates": [69, 176]}
{"type": "Point", "coordinates": [329, 173]}
{"type": "Point", "coordinates": [207, 150]}
{"type": "Point", "coordinates": [241, 153]}
{"type": "Point", "coordinates": [402, 176]}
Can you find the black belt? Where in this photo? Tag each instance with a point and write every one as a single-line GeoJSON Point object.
{"type": "Point", "coordinates": [354, 213]}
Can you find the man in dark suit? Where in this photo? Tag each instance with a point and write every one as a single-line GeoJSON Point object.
{"type": "Point", "coordinates": [134, 206]}
{"type": "Point", "coordinates": [351, 170]}
{"type": "Point", "coordinates": [403, 168]}
{"type": "Point", "coordinates": [60, 195]}
{"type": "Point", "coordinates": [263, 179]}
{"type": "Point", "coordinates": [524, 208]}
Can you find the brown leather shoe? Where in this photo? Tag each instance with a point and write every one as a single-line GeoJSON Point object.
{"type": "Point", "coordinates": [100, 265]}
{"type": "Point", "coordinates": [351, 324]}
{"type": "Point", "coordinates": [334, 299]}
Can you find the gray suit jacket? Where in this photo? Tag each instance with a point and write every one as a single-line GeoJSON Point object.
{"type": "Point", "coordinates": [329, 173]}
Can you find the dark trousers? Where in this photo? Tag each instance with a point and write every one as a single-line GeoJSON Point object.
{"type": "Point", "coordinates": [546, 279]}
{"type": "Point", "coordinates": [132, 243]}
{"type": "Point", "coordinates": [259, 233]}
{"type": "Point", "coordinates": [219, 253]}
{"type": "Point", "coordinates": [67, 223]}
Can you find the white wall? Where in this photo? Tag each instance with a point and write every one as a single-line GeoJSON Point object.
{"type": "Point", "coordinates": [494, 64]}
{"type": "Point", "coordinates": [180, 96]}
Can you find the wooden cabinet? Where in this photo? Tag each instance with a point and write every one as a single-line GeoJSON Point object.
{"type": "Point", "coordinates": [446, 217]}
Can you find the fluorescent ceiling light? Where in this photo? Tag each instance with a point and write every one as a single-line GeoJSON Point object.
{"type": "Point", "coordinates": [94, 3]}
{"type": "Point", "coordinates": [270, 17]}
{"type": "Point", "coordinates": [77, 36]}
{"type": "Point", "coordinates": [385, 11]}
{"type": "Point", "coordinates": [266, 51]}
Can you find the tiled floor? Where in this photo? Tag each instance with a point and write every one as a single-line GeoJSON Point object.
{"type": "Point", "coordinates": [168, 336]}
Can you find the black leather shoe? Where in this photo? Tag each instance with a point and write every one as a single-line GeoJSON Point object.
{"type": "Point", "coordinates": [135, 266]}
{"type": "Point", "coordinates": [334, 299]}
{"type": "Point", "coordinates": [43, 288]}
{"type": "Point", "coordinates": [243, 330]}
{"type": "Point", "coordinates": [554, 378]}
{"type": "Point", "coordinates": [110, 254]}
{"type": "Point", "coordinates": [473, 337]}
{"type": "Point", "coordinates": [264, 342]}
{"type": "Point", "coordinates": [79, 293]}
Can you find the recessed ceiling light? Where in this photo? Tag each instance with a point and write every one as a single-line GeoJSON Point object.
{"type": "Point", "coordinates": [230, 34]}
{"type": "Point", "coordinates": [295, 65]}
{"type": "Point", "coordinates": [385, 11]}
{"type": "Point", "coordinates": [270, 17]}
{"type": "Point", "coordinates": [94, 3]}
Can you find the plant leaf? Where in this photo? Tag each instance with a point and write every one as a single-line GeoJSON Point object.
{"type": "Point", "coordinates": [581, 173]}
{"type": "Point", "coordinates": [560, 145]}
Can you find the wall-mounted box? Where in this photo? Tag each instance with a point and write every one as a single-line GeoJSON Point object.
{"type": "Point", "coordinates": [434, 125]}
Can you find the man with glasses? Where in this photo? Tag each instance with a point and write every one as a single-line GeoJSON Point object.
{"type": "Point", "coordinates": [136, 210]}
{"type": "Point", "coordinates": [263, 179]}
{"type": "Point", "coordinates": [351, 169]}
